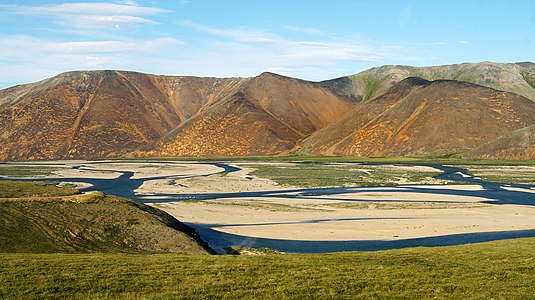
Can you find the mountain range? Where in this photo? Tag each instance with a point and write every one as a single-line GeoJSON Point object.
{"type": "Point", "coordinates": [479, 110]}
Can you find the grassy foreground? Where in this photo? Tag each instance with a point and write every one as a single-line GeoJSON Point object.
{"type": "Point", "coordinates": [502, 269]}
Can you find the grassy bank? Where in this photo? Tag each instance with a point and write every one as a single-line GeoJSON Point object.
{"type": "Point", "coordinates": [502, 269]}
{"type": "Point", "coordinates": [21, 189]}
{"type": "Point", "coordinates": [25, 171]}
{"type": "Point", "coordinates": [40, 217]}
{"type": "Point", "coordinates": [504, 174]}
{"type": "Point", "coordinates": [322, 175]}
{"type": "Point", "coordinates": [443, 159]}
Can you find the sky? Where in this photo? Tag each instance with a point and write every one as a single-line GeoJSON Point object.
{"type": "Point", "coordinates": [308, 39]}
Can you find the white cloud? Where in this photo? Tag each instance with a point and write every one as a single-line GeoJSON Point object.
{"type": "Point", "coordinates": [25, 58]}
{"type": "Point", "coordinates": [309, 43]}
{"type": "Point", "coordinates": [92, 15]}
{"type": "Point", "coordinates": [463, 42]}
{"type": "Point", "coordinates": [240, 47]}
{"type": "Point", "coordinates": [24, 46]}
{"type": "Point", "coordinates": [215, 51]}
{"type": "Point", "coordinates": [109, 46]}
{"type": "Point", "coordinates": [236, 34]}
{"type": "Point", "coordinates": [89, 9]}
{"type": "Point", "coordinates": [127, 2]}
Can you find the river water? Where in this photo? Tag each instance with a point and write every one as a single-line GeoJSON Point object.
{"type": "Point", "coordinates": [124, 186]}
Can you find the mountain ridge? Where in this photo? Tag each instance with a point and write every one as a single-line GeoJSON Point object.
{"type": "Point", "coordinates": [440, 117]}
{"type": "Point", "coordinates": [111, 113]}
{"type": "Point", "coordinates": [511, 77]}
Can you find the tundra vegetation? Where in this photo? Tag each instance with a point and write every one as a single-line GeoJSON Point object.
{"type": "Point", "coordinates": [499, 269]}
{"type": "Point", "coordinates": [325, 175]}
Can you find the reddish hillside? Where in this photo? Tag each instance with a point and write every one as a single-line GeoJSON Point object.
{"type": "Point", "coordinates": [267, 115]}
{"type": "Point", "coordinates": [378, 112]}
{"type": "Point", "coordinates": [112, 113]}
{"type": "Point", "coordinates": [412, 119]}
{"type": "Point", "coordinates": [333, 139]}
{"type": "Point", "coordinates": [84, 114]}
{"type": "Point", "coordinates": [519, 144]}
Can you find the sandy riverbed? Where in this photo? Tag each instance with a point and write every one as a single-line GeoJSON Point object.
{"type": "Point", "coordinates": [275, 212]}
{"type": "Point", "coordinates": [318, 219]}
{"type": "Point", "coordinates": [408, 211]}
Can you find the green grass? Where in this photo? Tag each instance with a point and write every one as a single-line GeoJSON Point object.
{"type": "Point", "coordinates": [38, 217]}
{"type": "Point", "coordinates": [434, 159]}
{"type": "Point", "coordinates": [320, 175]}
{"type": "Point", "coordinates": [495, 270]}
{"type": "Point", "coordinates": [529, 78]}
{"type": "Point", "coordinates": [464, 75]}
{"type": "Point", "coordinates": [372, 85]}
{"type": "Point", "coordinates": [504, 174]}
{"type": "Point", "coordinates": [25, 171]}
{"type": "Point", "coordinates": [21, 189]}
{"type": "Point", "coordinates": [276, 207]}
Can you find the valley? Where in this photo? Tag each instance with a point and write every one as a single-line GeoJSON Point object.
{"type": "Point", "coordinates": [353, 206]}
{"type": "Point", "coordinates": [267, 149]}
{"type": "Point", "coordinates": [125, 172]}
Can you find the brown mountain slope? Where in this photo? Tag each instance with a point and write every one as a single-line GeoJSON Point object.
{"type": "Point", "coordinates": [233, 127]}
{"type": "Point", "coordinates": [93, 114]}
{"type": "Point", "coordinates": [340, 134]}
{"type": "Point", "coordinates": [267, 115]}
{"type": "Point", "coordinates": [439, 117]}
{"type": "Point", "coordinates": [519, 144]}
{"type": "Point", "coordinates": [100, 113]}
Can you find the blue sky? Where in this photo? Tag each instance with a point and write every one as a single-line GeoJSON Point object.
{"type": "Point", "coordinates": [313, 40]}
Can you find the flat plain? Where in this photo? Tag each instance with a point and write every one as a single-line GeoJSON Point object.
{"type": "Point", "coordinates": [298, 207]}
{"type": "Point", "coordinates": [317, 207]}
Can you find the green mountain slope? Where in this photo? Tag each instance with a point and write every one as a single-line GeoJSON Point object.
{"type": "Point", "coordinates": [517, 78]}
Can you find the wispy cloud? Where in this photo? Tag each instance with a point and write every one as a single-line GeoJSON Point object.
{"type": "Point", "coordinates": [310, 43]}
{"type": "Point", "coordinates": [22, 46]}
{"type": "Point", "coordinates": [405, 15]}
{"type": "Point", "coordinates": [91, 15]}
{"type": "Point", "coordinates": [236, 34]}
{"type": "Point", "coordinates": [26, 58]}
{"type": "Point", "coordinates": [239, 48]}
{"type": "Point", "coordinates": [215, 51]}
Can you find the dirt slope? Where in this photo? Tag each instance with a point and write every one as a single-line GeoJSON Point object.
{"type": "Point", "coordinates": [518, 144]}
{"type": "Point", "coordinates": [425, 118]}
{"type": "Point", "coordinates": [54, 221]}
{"type": "Point", "coordinates": [94, 114]}
{"type": "Point", "coordinates": [339, 135]}
{"type": "Point", "coordinates": [381, 111]}
{"type": "Point", "coordinates": [267, 115]}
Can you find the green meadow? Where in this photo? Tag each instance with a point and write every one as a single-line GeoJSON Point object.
{"type": "Point", "coordinates": [495, 270]}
